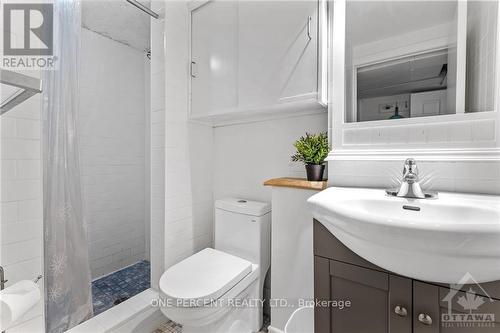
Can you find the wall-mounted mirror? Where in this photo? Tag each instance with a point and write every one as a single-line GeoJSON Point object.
{"type": "Point", "coordinates": [408, 59]}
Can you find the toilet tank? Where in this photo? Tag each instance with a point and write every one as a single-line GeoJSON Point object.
{"type": "Point", "coordinates": [243, 228]}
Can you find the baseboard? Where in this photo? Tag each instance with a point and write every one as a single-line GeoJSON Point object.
{"type": "Point", "coordinates": [271, 329]}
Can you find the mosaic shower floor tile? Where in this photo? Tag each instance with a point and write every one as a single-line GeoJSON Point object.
{"type": "Point", "coordinates": [119, 286]}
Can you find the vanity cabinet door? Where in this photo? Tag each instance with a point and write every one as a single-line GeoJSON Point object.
{"type": "Point", "coordinates": [379, 302]}
{"type": "Point", "coordinates": [368, 292]}
{"type": "Point", "coordinates": [425, 308]}
{"type": "Point", "coordinates": [400, 304]}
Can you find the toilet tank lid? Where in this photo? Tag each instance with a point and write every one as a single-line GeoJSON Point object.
{"type": "Point", "coordinates": [243, 206]}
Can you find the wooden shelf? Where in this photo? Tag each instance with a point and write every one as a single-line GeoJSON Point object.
{"type": "Point", "coordinates": [300, 183]}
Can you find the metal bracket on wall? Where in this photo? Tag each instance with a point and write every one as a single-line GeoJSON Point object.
{"type": "Point", "coordinates": [27, 87]}
{"type": "Point", "coordinates": [2, 279]}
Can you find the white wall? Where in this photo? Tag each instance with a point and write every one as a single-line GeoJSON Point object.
{"type": "Point", "coordinates": [112, 155]}
{"type": "Point", "coordinates": [246, 155]}
{"type": "Point", "coordinates": [157, 123]}
{"type": "Point", "coordinates": [21, 223]}
{"type": "Point", "coordinates": [188, 153]}
{"type": "Point", "coordinates": [481, 55]}
{"type": "Point", "coordinates": [181, 152]}
{"type": "Point", "coordinates": [472, 177]}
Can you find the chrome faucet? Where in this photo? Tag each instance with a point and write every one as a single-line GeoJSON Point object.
{"type": "Point", "coordinates": [410, 187]}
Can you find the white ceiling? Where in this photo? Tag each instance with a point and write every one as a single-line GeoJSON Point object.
{"type": "Point", "coordinates": [118, 20]}
{"type": "Point", "coordinates": [407, 75]}
{"type": "Point", "coordinates": [369, 21]}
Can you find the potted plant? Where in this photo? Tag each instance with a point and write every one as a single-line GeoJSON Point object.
{"type": "Point", "coordinates": [312, 149]}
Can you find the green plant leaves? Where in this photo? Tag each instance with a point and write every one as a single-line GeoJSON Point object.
{"type": "Point", "coordinates": [311, 148]}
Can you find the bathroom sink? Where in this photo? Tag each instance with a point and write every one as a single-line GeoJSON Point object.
{"type": "Point", "coordinates": [438, 240]}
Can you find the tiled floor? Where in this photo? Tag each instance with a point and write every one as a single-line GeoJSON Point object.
{"type": "Point", "coordinates": [172, 327]}
{"type": "Point", "coordinates": [119, 286]}
{"type": "Point", "coordinates": [168, 327]}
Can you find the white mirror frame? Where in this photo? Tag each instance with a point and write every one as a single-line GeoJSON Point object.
{"type": "Point", "coordinates": [454, 137]}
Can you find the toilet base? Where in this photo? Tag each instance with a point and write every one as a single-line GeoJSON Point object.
{"type": "Point", "coordinates": [237, 319]}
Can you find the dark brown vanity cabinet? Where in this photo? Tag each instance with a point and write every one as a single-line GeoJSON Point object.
{"type": "Point", "coordinates": [379, 302]}
{"type": "Point", "coordinates": [383, 302]}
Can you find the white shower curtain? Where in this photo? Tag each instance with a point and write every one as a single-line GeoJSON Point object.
{"type": "Point", "coordinates": [67, 273]}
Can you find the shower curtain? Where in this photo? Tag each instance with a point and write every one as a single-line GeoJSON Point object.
{"type": "Point", "coordinates": [67, 274]}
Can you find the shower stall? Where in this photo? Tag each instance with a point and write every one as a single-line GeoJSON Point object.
{"type": "Point", "coordinates": [75, 160]}
{"type": "Point", "coordinates": [113, 131]}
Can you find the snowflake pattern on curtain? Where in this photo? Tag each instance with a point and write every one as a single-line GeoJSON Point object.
{"type": "Point", "coordinates": [64, 213]}
{"type": "Point", "coordinates": [57, 264]}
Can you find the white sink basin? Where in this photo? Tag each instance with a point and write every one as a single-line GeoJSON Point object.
{"type": "Point", "coordinates": [449, 236]}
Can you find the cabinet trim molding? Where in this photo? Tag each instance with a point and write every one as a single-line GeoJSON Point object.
{"type": "Point", "coordinates": [288, 109]}
{"type": "Point", "coordinates": [438, 155]}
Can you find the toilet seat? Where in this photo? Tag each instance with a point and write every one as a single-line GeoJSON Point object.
{"type": "Point", "coordinates": [203, 277]}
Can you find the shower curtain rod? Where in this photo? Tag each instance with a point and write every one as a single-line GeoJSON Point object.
{"type": "Point", "coordinates": [143, 8]}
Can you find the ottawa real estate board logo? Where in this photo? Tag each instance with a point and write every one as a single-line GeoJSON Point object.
{"type": "Point", "coordinates": [27, 33]}
{"type": "Point", "coordinates": [468, 309]}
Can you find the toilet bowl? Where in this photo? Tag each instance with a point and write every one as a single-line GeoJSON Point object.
{"type": "Point", "coordinates": [220, 290]}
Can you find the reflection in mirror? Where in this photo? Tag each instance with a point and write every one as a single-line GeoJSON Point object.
{"type": "Point", "coordinates": [397, 88]}
{"type": "Point", "coordinates": [407, 59]}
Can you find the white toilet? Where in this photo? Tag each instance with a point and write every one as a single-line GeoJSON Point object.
{"type": "Point", "coordinates": [221, 289]}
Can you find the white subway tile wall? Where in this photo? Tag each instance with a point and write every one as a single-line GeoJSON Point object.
{"type": "Point", "coordinates": [157, 121]}
{"type": "Point", "coordinates": [21, 219]}
{"type": "Point", "coordinates": [112, 131]}
{"type": "Point", "coordinates": [188, 149]}
{"type": "Point", "coordinates": [471, 177]}
{"type": "Point", "coordinates": [413, 136]}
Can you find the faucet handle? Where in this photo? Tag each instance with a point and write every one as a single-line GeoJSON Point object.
{"type": "Point", "coordinates": [410, 171]}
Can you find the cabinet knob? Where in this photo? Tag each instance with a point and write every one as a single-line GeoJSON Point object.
{"type": "Point", "coordinates": [400, 311]}
{"type": "Point", "coordinates": [425, 319]}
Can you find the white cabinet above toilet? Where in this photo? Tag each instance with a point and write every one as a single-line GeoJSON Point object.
{"type": "Point", "coordinates": [255, 58]}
